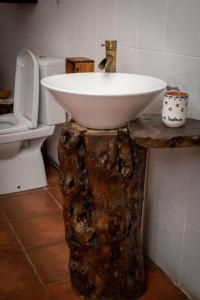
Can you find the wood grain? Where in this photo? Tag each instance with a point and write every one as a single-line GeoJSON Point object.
{"type": "Point", "coordinates": [102, 180]}
{"type": "Point", "coordinates": [149, 131]}
{"type": "Point", "coordinates": [79, 65]}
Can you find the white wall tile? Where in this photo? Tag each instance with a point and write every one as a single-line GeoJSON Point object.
{"type": "Point", "coordinates": [29, 19]}
{"type": "Point", "coordinates": [193, 212]}
{"type": "Point", "coordinates": [190, 274]}
{"type": "Point", "coordinates": [88, 20]}
{"type": "Point", "coordinates": [50, 45]}
{"type": "Point", "coordinates": [126, 22]}
{"type": "Point", "coordinates": [182, 71]}
{"type": "Point", "coordinates": [33, 42]}
{"type": "Point", "coordinates": [195, 108]}
{"type": "Point", "coordinates": [172, 188]}
{"type": "Point", "coordinates": [105, 20]}
{"type": "Point", "coordinates": [149, 214]}
{"type": "Point", "coordinates": [79, 48]}
{"type": "Point", "coordinates": [150, 63]}
{"type": "Point", "coordinates": [149, 209]}
{"type": "Point", "coordinates": [63, 24]}
{"type": "Point", "coordinates": [183, 27]}
{"type": "Point", "coordinates": [68, 19]}
{"type": "Point", "coordinates": [167, 243]}
{"type": "Point", "coordinates": [126, 60]}
{"type": "Point", "coordinates": [56, 46]}
{"type": "Point", "coordinates": [152, 20]}
{"type": "Point", "coordinates": [48, 15]}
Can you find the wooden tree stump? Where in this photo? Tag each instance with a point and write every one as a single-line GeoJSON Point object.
{"type": "Point", "coordinates": [102, 180]}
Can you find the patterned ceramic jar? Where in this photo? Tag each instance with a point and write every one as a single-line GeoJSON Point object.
{"type": "Point", "coordinates": [174, 108]}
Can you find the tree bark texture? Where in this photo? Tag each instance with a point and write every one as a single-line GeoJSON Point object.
{"type": "Point", "coordinates": [149, 131]}
{"type": "Point", "coordinates": [102, 180]}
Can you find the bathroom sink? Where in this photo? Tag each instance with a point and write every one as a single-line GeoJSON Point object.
{"type": "Point", "coordinates": [103, 100]}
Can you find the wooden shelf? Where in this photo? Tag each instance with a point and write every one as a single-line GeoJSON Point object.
{"type": "Point", "coordinates": [149, 131]}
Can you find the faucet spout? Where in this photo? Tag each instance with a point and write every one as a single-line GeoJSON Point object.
{"type": "Point", "coordinates": [109, 62]}
{"type": "Point", "coordinates": [105, 63]}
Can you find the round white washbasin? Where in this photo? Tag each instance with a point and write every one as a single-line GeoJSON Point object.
{"type": "Point", "coordinates": [103, 100]}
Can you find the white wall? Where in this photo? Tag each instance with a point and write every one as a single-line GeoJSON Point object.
{"type": "Point", "coordinates": [155, 37]}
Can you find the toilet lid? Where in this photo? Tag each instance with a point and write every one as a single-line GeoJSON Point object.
{"type": "Point", "coordinates": [26, 96]}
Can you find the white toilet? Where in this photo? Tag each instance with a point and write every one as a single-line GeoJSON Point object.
{"type": "Point", "coordinates": [22, 133]}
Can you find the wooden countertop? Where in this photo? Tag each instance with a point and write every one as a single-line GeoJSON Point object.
{"type": "Point", "coordinates": [150, 132]}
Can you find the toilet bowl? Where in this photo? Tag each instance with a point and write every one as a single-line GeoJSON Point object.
{"type": "Point", "coordinates": [22, 133]}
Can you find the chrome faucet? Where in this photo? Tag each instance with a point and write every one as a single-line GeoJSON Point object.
{"type": "Point", "coordinates": [109, 62]}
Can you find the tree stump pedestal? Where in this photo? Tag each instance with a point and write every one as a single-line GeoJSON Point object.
{"type": "Point", "coordinates": [102, 180]}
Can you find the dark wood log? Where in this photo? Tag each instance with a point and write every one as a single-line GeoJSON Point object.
{"type": "Point", "coordinates": [102, 180]}
{"type": "Point", "coordinates": [149, 131]}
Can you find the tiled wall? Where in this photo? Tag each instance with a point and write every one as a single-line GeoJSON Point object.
{"type": "Point", "coordinates": [155, 37]}
{"type": "Point", "coordinates": [172, 215]}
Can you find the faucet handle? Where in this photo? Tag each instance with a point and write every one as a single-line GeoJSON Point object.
{"type": "Point", "coordinates": [110, 45]}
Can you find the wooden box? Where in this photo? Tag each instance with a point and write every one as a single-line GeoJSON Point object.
{"type": "Point", "coordinates": [79, 65]}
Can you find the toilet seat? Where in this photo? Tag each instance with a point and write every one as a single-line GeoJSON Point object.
{"type": "Point", "coordinates": [10, 123]}
{"type": "Point", "coordinates": [41, 131]}
{"type": "Point", "coordinates": [26, 96]}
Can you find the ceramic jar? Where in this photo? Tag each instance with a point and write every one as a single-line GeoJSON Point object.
{"type": "Point", "coordinates": [174, 108]}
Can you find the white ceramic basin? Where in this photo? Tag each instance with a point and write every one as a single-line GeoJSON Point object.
{"type": "Point", "coordinates": [103, 100]}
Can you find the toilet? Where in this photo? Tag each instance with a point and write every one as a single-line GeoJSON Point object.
{"type": "Point", "coordinates": [23, 133]}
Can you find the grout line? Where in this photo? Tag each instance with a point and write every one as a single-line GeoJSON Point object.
{"type": "Point", "coordinates": [54, 199]}
{"type": "Point", "coordinates": [137, 29]}
{"type": "Point", "coordinates": [96, 32]}
{"type": "Point", "coordinates": [27, 256]}
{"type": "Point", "coordinates": [165, 26]}
{"type": "Point", "coordinates": [154, 207]}
{"type": "Point", "coordinates": [46, 244]}
{"type": "Point", "coordinates": [184, 226]}
{"type": "Point", "coordinates": [58, 282]}
{"type": "Point", "coordinates": [149, 50]}
{"type": "Point", "coordinates": [24, 251]}
{"type": "Point", "coordinates": [11, 195]}
{"type": "Point", "coordinates": [17, 293]}
{"type": "Point", "coordinates": [35, 216]}
{"type": "Point", "coordinates": [115, 20]}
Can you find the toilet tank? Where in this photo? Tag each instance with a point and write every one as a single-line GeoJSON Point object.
{"type": "Point", "coordinates": [50, 112]}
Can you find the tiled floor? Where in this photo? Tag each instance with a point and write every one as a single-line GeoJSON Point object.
{"type": "Point", "coordinates": [33, 253]}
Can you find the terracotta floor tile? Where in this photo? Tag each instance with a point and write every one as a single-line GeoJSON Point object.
{"type": "Point", "coordinates": [51, 262]}
{"type": "Point", "coordinates": [40, 230]}
{"type": "Point", "coordinates": [29, 204]}
{"type": "Point", "coordinates": [159, 286]}
{"type": "Point", "coordinates": [52, 176]}
{"type": "Point", "coordinates": [39, 294]}
{"type": "Point", "coordinates": [8, 242]}
{"type": "Point", "coordinates": [2, 218]}
{"type": "Point", "coordinates": [63, 291]}
{"type": "Point", "coordinates": [56, 192]}
{"type": "Point", "coordinates": [16, 274]}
